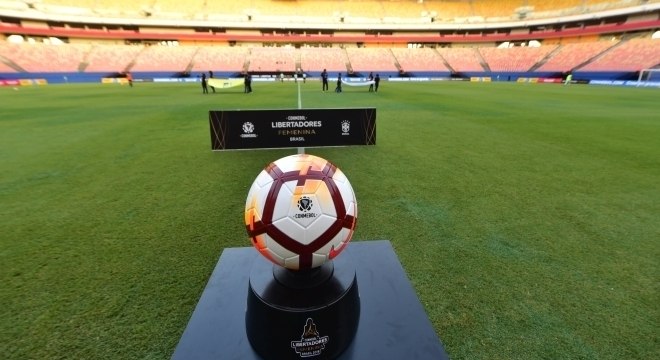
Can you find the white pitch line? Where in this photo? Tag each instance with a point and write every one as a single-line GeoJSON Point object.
{"type": "Point", "coordinates": [301, 150]}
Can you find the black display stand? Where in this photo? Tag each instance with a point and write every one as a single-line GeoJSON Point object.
{"type": "Point", "coordinates": [392, 322]}
{"type": "Point", "coordinates": [307, 313]}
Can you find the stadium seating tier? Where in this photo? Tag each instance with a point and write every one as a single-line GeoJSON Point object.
{"type": "Point", "coordinates": [333, 11]}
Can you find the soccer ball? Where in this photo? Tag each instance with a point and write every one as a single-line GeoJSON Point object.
{"type": "Point", "coordinates": [300, 212]}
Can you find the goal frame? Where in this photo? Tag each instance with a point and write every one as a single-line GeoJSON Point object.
{"type": "Point", "coordinates": [647, 71]}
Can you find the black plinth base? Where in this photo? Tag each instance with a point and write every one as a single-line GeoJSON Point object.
{"type": "Point", "coordinates": [301, 314]}
{"type": "Point", "coordinates": [392, 325]}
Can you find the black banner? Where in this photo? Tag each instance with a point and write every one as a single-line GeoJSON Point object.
{"type": "Point", "coordinates": [290, 128]}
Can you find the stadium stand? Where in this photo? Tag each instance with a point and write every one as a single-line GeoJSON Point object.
{"type": "Point", "coordinates": [14, 5]}
{"type": "Point", "coordinates": [494, 8]}
{"type": "Point", "coordinates": [462, 59]}
{"type": "Point", "coordinates": [111, 58]}
{"type": "Point", "coordinates": [89, 4]}
{"type": "Point", "coordinates": [326, 11]}
{"type": "Point", "coordinates": [4, 68]}
{"type": "Point", "coordinates": [61, 9]}
{"type": "Point", "coordinates": [463, 46]}
{"type": "Point", "coordinates": [631, 55]}
{"type": "Point", "coordinates": [174, 9]}
{"type": "Point", "coordinates": [232, 8]}
{"type": "Point", "coordinates": [6, 58]}
{"type": "Point", "coordinates": [277, 8]}
{"type": "Point", "coordinates": [220, 58]}
{"type": "Point", "coordinates": [403, 9]}
{"type": "Point", "coordinates": [419, 60]}
{"type": "Point", "coordinates": [371, 59]}
{"type": "Point", "coordinates": [514, 59]}
{"type": "Point", "coordinates": [549, 5]}
{"type": "Point", "coordinates": [273, 59]}
{"type": "Point", "coordinates": [449, 10]}
{"type": "Point", "coordinates": [363, 9]}
{"type": "Point", "coordinates": [557, 8]}
{"type": "Point", "coordinates": [317, 59]}
{"type": "Point", "coordinates": [569, 56]}
{"type": "Point", "coordinates": [164, 58]}
{"type": "Point", "coordinates": [597, 5]}
{"type": "Point", "coordinates": [444, 9]}
{"type": "Point", "coordinates": [41, 57]}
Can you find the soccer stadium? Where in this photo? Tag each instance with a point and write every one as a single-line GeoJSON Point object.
{"type": "Point", "coordinates": [515, 171]}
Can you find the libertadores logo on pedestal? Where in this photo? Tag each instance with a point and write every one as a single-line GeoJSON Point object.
{"type": "Point", "coordinates": [310, 343]}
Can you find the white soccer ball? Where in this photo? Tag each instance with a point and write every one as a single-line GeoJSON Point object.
{"type": "Point", "coordinates": [300, 212]}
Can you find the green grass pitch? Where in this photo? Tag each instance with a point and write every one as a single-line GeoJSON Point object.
{"type": "Point", "coordinates": [527, 216]}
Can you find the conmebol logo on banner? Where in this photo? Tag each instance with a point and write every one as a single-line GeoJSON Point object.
{"type": "Point", "coordinates": [248, 130]}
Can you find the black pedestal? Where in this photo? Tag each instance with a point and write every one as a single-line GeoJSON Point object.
{"type": "Point", "coordinates": [392, 324]}
{"type": "Point", "coordinates": [302, 314]}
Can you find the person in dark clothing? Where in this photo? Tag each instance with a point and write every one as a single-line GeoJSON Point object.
{"type": "Point", "coordinates": [377, 81]}
{"type": "Point", "coordinates": [211, 77]}
{"type": "Point", "coordinates": [370, 78]}
{"type": "Point", "coordinates": [338, 88]}
{"type": "Point", "coordinates": [205, 89]}
{"type": "Point", "coordinates": [248, 83]}
{"type": "Point", "coordinates": [324, 77]}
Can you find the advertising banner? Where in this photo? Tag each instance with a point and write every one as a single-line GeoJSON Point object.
{"type": "Point", "coordinates": [225, 83]}
{"type": "Point", "coordinates": [10, 82]}
{"type": "Point", "coordinates": [358, 83]}
{"type": "Point", "coordinates": [291, 128]}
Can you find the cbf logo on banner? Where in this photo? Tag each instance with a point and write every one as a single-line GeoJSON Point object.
{"type": "Point", "coordinates": [290, 128]}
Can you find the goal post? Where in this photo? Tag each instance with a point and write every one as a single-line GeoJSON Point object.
{"type": "Point", "coordinates": [649, 77]}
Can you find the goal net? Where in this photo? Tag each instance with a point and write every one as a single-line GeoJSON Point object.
{"type": "Point", "coordinates": [649, 77]}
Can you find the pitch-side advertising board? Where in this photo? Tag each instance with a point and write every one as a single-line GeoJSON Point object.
{"type": "Point", "coordinates": [291, 128]}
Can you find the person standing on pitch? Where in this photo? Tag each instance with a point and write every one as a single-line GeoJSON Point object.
{"type": "Point", "coordinates": [211, 77]}
{"type": "Point", "coordinates": [324, 77]}
{"type": "Point", "coordinates": [248, 83]}
{"type": "Point", "coordinates": [371, 78]}
{"type": "Point", "coordinates": [338, 88]}
{"type": "Point", "coordinates": [205, 89]}
{"type": "Point", "coordinates": [569, 77]}
{"type": "Point", "coordinates": [377, 81]}
{"type": "Point", "coordinates": [129, 78]}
